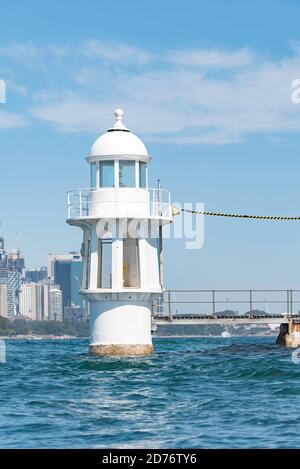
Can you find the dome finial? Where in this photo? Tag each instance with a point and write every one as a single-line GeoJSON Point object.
{"type": "Point", "coordinates": [119, 124]}
{"type": "Point", "coordinates": [119, 114]}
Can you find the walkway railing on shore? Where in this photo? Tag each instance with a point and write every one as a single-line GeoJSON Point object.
{"type": "Point", "coordinates": [228, 303]}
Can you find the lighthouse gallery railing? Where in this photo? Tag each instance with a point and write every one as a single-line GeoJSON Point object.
{"type": "Point", "coordinates": [79, 204]}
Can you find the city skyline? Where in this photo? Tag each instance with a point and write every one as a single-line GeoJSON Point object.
{"type": "Point", "coordinates": [44, 293]}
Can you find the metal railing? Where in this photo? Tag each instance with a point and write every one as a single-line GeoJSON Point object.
{"type": "Point", "coordinates": [252, 303]}
{"type": "Point", "coordinates": [79, 204]}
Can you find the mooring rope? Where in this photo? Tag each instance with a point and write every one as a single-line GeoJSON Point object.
{"type": "Point", "coordinates": [238, 215]}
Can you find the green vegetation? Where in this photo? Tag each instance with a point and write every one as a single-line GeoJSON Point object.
{"type": "Point", "coordinates": [25, 327]}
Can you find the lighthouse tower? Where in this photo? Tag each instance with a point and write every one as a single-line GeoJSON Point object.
{"type": "Point", "coordinates": [120, 217]}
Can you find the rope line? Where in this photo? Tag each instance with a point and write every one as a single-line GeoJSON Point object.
{"type": "Point", "coordinates": [237, 215]}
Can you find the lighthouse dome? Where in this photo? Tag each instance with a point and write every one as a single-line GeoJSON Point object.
{"type": "Point", "coordinates": [118, 140]}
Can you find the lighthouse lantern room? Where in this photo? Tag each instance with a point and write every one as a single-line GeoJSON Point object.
{"type": "Point", "coordinates": [120, 217]}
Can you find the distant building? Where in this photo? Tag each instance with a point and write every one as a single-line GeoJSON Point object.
{"type": "Point", "coordinates": [11, 268]}
{"type": "Point", "coordinates": [67, 273]}
{"type": "Point", "coordinates": [31, 301]}
{"type": "Point", "coordinates": [16, 261]}
{"type": "Point", "coordinates": [14, 283]}
{"type": "Point", "coordinates": [35, 300]}
{"type": "Point", "coordinates": [26, 303]}
{"type": "Point", "coordinates": [46, 294]}
{"type": "Point", "coordinates": [55, 305]}
{"type": "Point", "coordinates": [75, 314]}
{"type": "Point", "coordinates": [36, 275]}
{"type": "Point", "coordinates": [60, 257]}
{"type": "Point", "coordinates": [3, 263]}
{"type": "Point", "coordinates": [3, 300]}
{"type": "Point", "coordinates": [38, 301]}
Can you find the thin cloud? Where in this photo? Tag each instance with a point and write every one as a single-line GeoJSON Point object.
{"type": "Point", "coordinates": [16, 87]}
{"type": "Point", "coordinates": [26, 53]}
{"type": "Point", "coordinates": [211, 96]}
{"type": "Point", "coordinates": [10, 120]}
{"type": "Point", "coordinates": [113, 52]}
{"type": "Point", "coordinates": [211, 58]}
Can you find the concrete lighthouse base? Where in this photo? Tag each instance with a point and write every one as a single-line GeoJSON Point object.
{"type": "Point", "coordinates": [120, 349]}
{"type": "Point", "coordinates": [119, 328]}
{"type": "Point", "coordinates": [289, 335]}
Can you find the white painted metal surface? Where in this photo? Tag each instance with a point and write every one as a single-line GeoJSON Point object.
{"type": "Point", "coordinates": [117, 322]}
{"type": "Point", "coordinates": [120, 203]}
{"type": "Point", "coordinates": [120, 224]}
{"type": "Point", "coordinates": [118, 141]}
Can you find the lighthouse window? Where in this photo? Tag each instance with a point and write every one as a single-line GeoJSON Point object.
{"type": "Point", "coordinates": [127, 173]}
{"type": "Point", "coordinates": [107, 178]}
{"type": "Point", "coordinates": [142, 174]}
{"type": "Point", "coordinates": [93, 174]}
{"type": "Point", "coordinates": [130, 263]}
{"type": "Point", "coordinates": [105, 263]}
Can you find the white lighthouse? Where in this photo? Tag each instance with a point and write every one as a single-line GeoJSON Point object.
{"type": "Point", "coordinates": [120, 217]}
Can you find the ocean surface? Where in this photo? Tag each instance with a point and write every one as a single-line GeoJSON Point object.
{"type": "Point", "coordinates": [236, 392]}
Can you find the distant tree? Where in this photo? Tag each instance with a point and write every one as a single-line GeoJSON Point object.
{"type": "Point", "coordinates": [83, 328]}
{"type": "Point", "coordinates": [47, 327]}
{"type": "Point", "coordinates": [6, 327]}
{"type": "Point", "coordinates": [21, 326]}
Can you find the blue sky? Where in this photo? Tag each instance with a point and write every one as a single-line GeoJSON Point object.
{"type": "Point", "coordinates": [207, 86]}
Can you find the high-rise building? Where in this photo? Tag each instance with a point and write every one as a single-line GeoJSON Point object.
{"type": "Point", "coordinates": [36, 275]}
{"type": "Point", "coordinates": [3, 300]}
{"type": "Point", "coordinates": [3, 263]}
{"type": "Point", "coordinates": [14, 283]}
{"type": "Point", "coordinates": [46, 292]}
{"type": "Point", "coordinates": [68, 275]}
{"type": "Point", "coordinates": [62, 276]}
{"type": "Point", "coordinates": [31, 301]}
{"type": "Point", "coordinates": [11, 268]}
{"type": "Point", "coordinates": [71, 256]}
{"type": "Point", "coordinates": [26, 300]}
{"type": "Point", "coordinates": [15, 260]}
{"type": "Point", "coordinates": [3, 280]}
{"type": "Point", "coordinates": [55, 305]}
{"type": "Point", "coordinates": [35, 300]}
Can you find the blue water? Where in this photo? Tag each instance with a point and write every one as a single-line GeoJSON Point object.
{"type": "Point", "coordinates": [199, 392]}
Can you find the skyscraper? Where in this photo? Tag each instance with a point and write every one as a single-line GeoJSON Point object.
{"type": "Point", "coordinates": [3, 300]}
{"type": "Point", "coordinates": [16, 264]}
{"type": "Point", "coordinates": [26, 300]}
{"type": "Point", "coordinates": [3, 263]}
{"type": "Point", "coordinates": [55, 305]}
{"type": "Point", "coordinates": [14, 283]}
{"type": "Point", "coordinates": [15, 260]}
{"type": "Point", "coordinates": [36, 275]}
{"type": "Point", "coordinates": [62, 276]}
{"type": "Point", "coordinates": [11, 268]}
{"type": "Point", "coordinates": [35, 301]}
{"type": "Point", "coordinates": [52, 258]}
{"type": "Point", "coordinates": [67, 274]}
